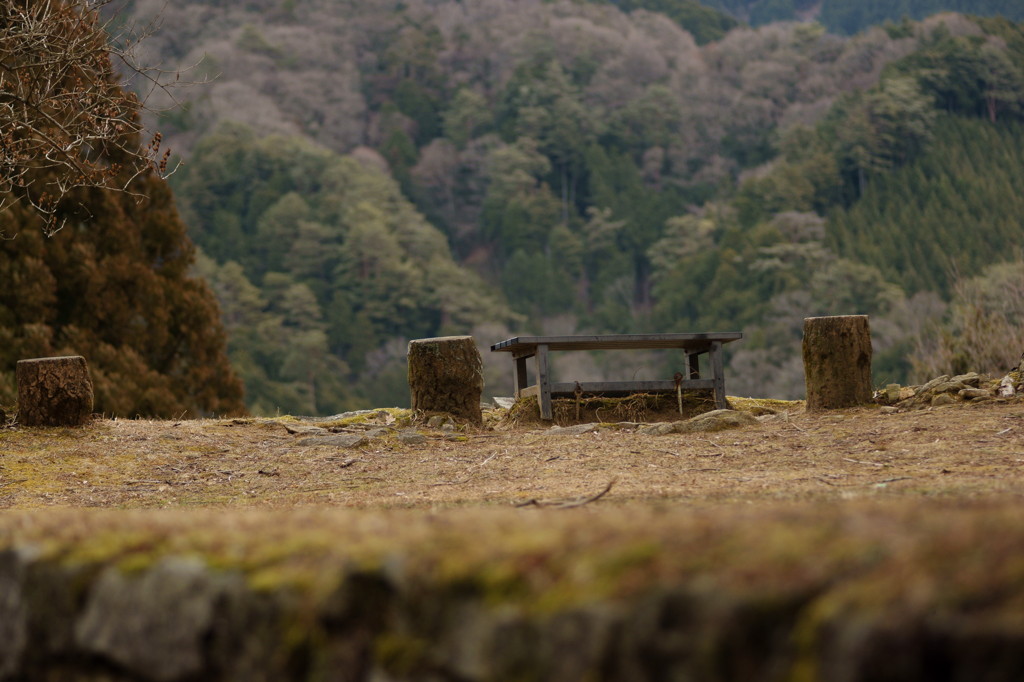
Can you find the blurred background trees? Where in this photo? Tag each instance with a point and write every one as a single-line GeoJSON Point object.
{"type": "Point", "coordinates": [360, 174]}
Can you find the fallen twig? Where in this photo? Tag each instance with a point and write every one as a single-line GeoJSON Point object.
{"type": "Point", "coordinates": [869, 483]}
{"type": "Point", "coordinates": [860, 461]}
{"type": "Point", "coordinates": [588, 500]}
{"type": "Point", "coordinates": [785, 418]}
{"type": "Point", "coordinates": [469, 471]}
{"type": "Point", "coordinates": [890, 480]}
{"type": "Point", "coordinates": [493, 455]}
{"type": "Point", "coordinates": [568, 504]}
{"type": "Point", "coordinates": [458, 482]}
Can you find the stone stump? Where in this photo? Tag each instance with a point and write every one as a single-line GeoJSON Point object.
{"type": "Point", "coordinates": [837, 361]}
{"type": "Point", "coordinates": [54, 391]}
{"type": "Point", "coordinates": [446, 374]}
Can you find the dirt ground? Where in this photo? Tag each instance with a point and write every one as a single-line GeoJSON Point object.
{"type": "Point", "coordinates": [961, 452]}
{"type": "Point", "coordinates": [819, 527]}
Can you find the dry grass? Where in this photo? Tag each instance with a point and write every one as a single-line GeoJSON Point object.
{"type": "Point", "coordinates": [632, 409]}
{"type": "Point", "coordinates": [964, 452]}
{"type": "Point", "coordinates": [867, 503]}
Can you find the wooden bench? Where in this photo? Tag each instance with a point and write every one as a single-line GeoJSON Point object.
{"type": "Point", "coordinates": [692, 345]}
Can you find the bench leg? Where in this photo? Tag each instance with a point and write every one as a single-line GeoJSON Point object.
{"type": "Point", "coordinates": [543, 382]}
{"type": "Point", "coordinates": [718, 375]}
{"type": "Point", "coordinates": [694, 366]}
{"type": "Point", "coordinates": [519, 374]}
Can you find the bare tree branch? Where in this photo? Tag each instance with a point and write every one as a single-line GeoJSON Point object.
{"type": "Point", "coordinates": [66, 121]}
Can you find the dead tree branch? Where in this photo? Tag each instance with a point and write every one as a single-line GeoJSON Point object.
{"type": "Point", "coordinates": [66, 120]}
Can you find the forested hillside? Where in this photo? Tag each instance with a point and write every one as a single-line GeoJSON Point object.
{"type": "Point", "coordinates": [346, 269]}
{"type": "Point", "coordinates": [596, 169]}
{"type": "Point", "coordinates": [852, 16]}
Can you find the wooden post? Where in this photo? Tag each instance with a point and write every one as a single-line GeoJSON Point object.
{"type": "Point", "coordinates": [718, 375]}
{"type": "Point", "coordinates": [519, 376]}
{"type": "Point", "coordinates": [837, 361]}
{"type": "Point", "coordinates": [446, 374]}
{"type": "Point", "coordinates": [54, 391]}
{"type": "Point", "coordinates": [543, 382]}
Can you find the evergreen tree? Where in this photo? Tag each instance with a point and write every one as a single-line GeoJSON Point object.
{"type": "Point", "coordinates": [114, 286]}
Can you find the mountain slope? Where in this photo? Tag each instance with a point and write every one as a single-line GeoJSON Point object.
{"type": "Point", "coordinates": [601, 170]}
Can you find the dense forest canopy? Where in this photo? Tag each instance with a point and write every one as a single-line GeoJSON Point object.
{"type": "Point", "coordinates": [852, 16]}
{"type": "Point", "coordinates": [363, 173]}
{"type": "Point", "coordinates": [344, 266]}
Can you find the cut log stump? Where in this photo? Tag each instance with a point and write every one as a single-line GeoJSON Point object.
{"type": "Point", "coordinates": [837, 361]}
{"type": "Point", "coordinates": [54, 391]}
{"type": "Point", "coordinates": [446, 374]}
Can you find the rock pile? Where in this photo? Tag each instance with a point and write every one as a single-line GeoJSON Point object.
{"type": "Point", "coordinates": [943, 390]}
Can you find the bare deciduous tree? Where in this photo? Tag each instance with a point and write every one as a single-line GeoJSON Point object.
{"type": "Point", "coordinates": [65, 120]}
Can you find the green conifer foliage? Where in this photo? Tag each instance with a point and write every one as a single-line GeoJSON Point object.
{"type": "Point", "coordinates": [946, 214]}
{"type": "Point", "coordinates": [329, 272]}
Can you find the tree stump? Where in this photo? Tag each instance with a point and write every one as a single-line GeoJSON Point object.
{"type": "Point", "coordinates": [446, 374]}
{"type": "Point", "coordinates": [54, 391]}
{"type": "Point", "coordinates": [837, 361]}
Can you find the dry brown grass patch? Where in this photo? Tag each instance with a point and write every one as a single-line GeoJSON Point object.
{"type": "Point", "coordinates": [641, 407]}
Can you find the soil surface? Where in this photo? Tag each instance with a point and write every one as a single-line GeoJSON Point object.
{"type": "Point", "coordinates": [857, 544]}
{"type": "Point", "coordinates": [958, 452]}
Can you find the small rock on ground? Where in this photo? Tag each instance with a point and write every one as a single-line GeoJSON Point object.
{"type": "Point", "coordinates": [574, 430]}
{"type": "Point", "coordinates": [411, 437]}
{"type": "Point", "coordinates": [716, 420]}
{"type": "Point", "coordinates": [378, 412]}
{"type": "Point", "coordinates": [719, 420]}
{"type": "Point", "coordinates": [659, 429]}
{"type": "Point", "coordinates": [924, 388]}
{"type": "Point", "coordinates": [972, 379]}
{"type": "Point", "coordinates": [974, 393]}
{"type": "Point", "coordinates": [440, 421]}
{"type": "Point", "coordinates": [950, 387]}
{"type": "Point", "coordinates": [300, 430]}
{"type": "Point", "coordinates": [341, 440]}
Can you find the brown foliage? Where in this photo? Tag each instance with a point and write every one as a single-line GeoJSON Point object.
{"type": "Point", "coordinates": [114, 286]}
{"type": "Point", "coordinates": [66, 122]}
{"type": "Point", "coordinates": [984, 330]}
{"type": "Point", "coordinates": [115, 289]}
